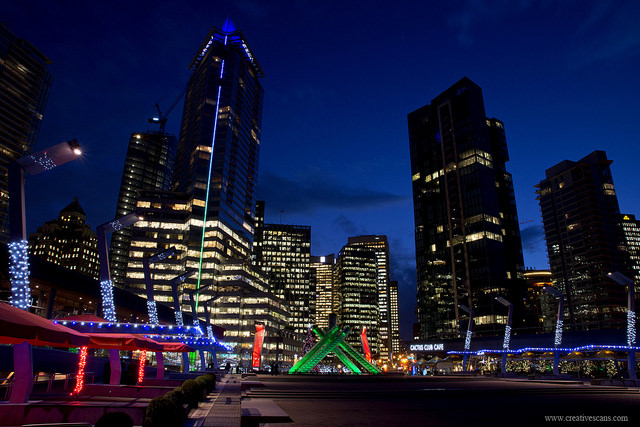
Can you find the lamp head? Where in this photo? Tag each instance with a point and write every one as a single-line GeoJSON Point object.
{"type": "Point", "coordinates": [620, 279]}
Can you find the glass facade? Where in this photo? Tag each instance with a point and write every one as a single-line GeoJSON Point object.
{"type": "Point", "coordinates": [394, 310]}
{"type": "Point", "coordinates": [355, 298]}
{"type": "Point", "coordinates": [468, 247]}
{"type": "Point", "coordinates": [380, 246]}
{"type": "Point", "coordinates": [322, 283]}
{"type": "Point", "coordinates": [585, 241]}
{"type": "Point", "coordinates": [631, 229]}
{"type": "Point", "coordinates": [24, 87]}
{"type": "Point", "coordinates": [148, 166]}
{"type": "Point", "coordinates": [282, 252]}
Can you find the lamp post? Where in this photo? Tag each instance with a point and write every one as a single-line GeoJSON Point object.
{"type": "Point", "coordinates": [558, 337]}
{"type": "Point", "coordinates": [106, 285]}
{"type": "Point", "coordinates": [146, 267]}
{"type": "Point", "coordinates": [152, 310]}
{"type": "Point", "coordinates": [174, 292]}
{"type": "Point", "coordinates": [196, 321]}
{"type": "Point", "coordinates": [178, 311]}
{"type": "Point", "coordinates": [32, 164]}
{"type": "Point", "coordinates": [467, 339]}
{"type": "Point", "coordinates": [623, 280]}
{"type": "Point", "coordinates": [507, 332]}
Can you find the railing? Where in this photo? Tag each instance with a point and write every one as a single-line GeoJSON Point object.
{"type": "Point", "coordinates": [49, 379]}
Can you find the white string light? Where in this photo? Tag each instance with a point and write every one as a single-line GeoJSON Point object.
{"type": "Point", "coordinates": [507, 337]}
{"type": "Point", "coordinates": [152, 309]}
{"type": "Point", "coordinates": [108, 307]}
{"type": "Point", "coordinates": [179, 320]}
{"type": "Point", "coordinates": [558, 339]}
{"type": "Point", "coordinates": [631, 327]}
{"type": "Point", "coordinates": [19, 273]}
{"type": "Point", "coordinates": [467, 340]}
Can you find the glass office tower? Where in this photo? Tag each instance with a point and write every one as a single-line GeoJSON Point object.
{"type": "Point", "coordinates": [468, 247]}
{"type": "Point", "coordinates": [24, 87]}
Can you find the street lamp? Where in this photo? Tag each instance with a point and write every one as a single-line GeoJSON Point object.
{"type": "Point", "coordinates": [558, 338]}
{"type": "Point", "coordinates": [174, 292]}
{"type": "Point", "coordinates": [106, 285]}
{"type": "Point", "coordinates": [623, 280]}
{"type": "Point", "coordinates": [507, 332]}
{"type": "Point", "coordinates": [467, 339]}
{"type": "Point", "coordinates": [32, 164]}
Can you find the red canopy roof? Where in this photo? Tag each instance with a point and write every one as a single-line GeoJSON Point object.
{"type": "Point", "coordinates": [110, 340]}
{"type": "Point", "coordinates": [123, 342]}
{"type": "Point", "coordinates": [176, 347]}
{"type": "Point", "coordinates": [18, 326]}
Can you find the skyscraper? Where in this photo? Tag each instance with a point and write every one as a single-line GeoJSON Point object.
{"type": "Point", "coordinates": [68, 241]}
{"type": "Point", "coordinates": [24, 87]}
{"type": "Point", "coordinates": [148, 166]}
{"type": "Point", "coordinates": [631, 229]}
{"type": "Point", "coordinates": [209, 214]}
{"type": "Point", "coordinates": [355, 296]}
{"type": "Point", "coordinates": [282, 252]}
{"type": "Point", "coordinates": [468, 247]}
{"type": "Point", "coordinates": [218, 151]}
{"type": "Point", "coordinates": [322, 283]}
{"type": "Point", "coordinates": [394, 311]}
{"type": "Point", "coordinates": [585, 240]}
{"type": "Point", "coordinates": [380, 246]}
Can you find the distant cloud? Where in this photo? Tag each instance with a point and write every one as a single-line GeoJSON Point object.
{"type": "Point", "coordinates": [345, 224]}
{"type": "Point", "coordinates": [474, 11]}
{"type": "Point", "coordinates": [610, 31]}
{"type": "Point", "coordinates": [315, 191]}
{"type": "Point", "coordinates": [532, 238]}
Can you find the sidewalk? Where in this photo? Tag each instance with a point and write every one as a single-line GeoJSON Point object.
{"type": "Point", "coordinates": [222, 407]}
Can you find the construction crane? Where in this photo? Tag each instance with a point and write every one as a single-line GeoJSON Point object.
{"type": "Point", "coordinates": [162, 117]}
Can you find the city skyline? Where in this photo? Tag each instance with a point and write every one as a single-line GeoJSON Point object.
{"type": "Point", "coordinates": [340, 83]}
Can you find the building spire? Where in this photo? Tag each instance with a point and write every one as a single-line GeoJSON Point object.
{"type": "Point", "coordinates": [228, 26]}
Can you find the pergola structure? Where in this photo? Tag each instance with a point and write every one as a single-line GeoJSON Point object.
{"type": "Point", "coordinates": [333, 341]}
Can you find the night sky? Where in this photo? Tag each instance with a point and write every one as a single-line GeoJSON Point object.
{"type": "Point", "coordinates": [340, 80]}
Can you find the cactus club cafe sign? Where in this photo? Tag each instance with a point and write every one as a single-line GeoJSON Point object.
{"type": "Point", "coordinates": [427, 347]}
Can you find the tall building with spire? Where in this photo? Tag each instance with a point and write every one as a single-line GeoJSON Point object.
{"type": "Point", "coordinates": [468, 247]}
{"type": "Point", "coordinates": [209, 214]}
{"type": "Point", "coordinates": [24, 87]}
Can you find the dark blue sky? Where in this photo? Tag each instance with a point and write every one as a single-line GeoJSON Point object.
{"type": "Point", "coordinates": [340, 79]}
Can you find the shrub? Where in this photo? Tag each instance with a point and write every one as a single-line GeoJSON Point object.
{"type": "Point", "coordinates": [178, 398]}
{"type": "Point", "coordinates": [162, 412]}
{"type": "Point", "coordinates": [193, 392]}
{"type": "Point", "coordinates": [203, 382]}
{"type": "Point", "coordinates": [211, 381]}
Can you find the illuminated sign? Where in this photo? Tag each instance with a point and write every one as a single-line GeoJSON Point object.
{"type": "Point", "coordinates": [426, 347]}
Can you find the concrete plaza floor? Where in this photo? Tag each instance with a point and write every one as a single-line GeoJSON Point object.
{"type": "Point", "coordinates": [429, 401]}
